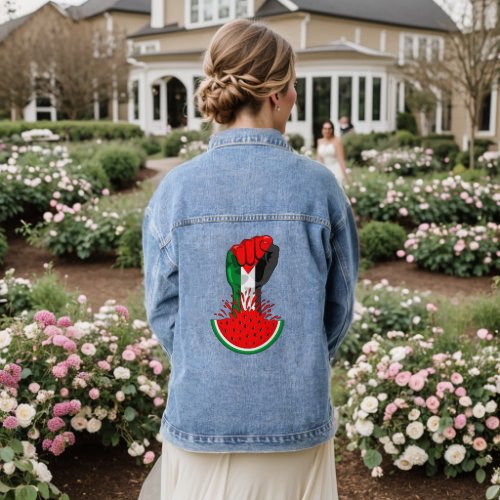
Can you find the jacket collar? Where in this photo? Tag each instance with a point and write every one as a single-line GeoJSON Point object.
{"type": "Point", "coordinates": [238, 136]}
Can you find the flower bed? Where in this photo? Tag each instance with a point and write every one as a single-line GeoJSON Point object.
{"type": "Point", "coordinates": [62, 377]}
{"type": "Point", "coordinates": [33, 175]}
{"type": "Point", "coordinates": [420, 405]}
{"type": "Point", "coordinates": [459, 250]}
{"type": "Point", "coordinates": [382, 308]}
{"type": "Point", "coordinates": [416, 201]}
{"type": "Point", "coordinates": [405, 162]}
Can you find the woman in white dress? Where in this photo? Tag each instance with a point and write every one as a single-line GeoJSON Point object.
{"type": "Point", "coordinates": [331, 152]}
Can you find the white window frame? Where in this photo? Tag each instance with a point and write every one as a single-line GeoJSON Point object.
{"type": "Point", "coordinates": [141, 48]}
{"type": "Point", "coordinates": [216, 19]}
{"type": "Point", "coordinates": [493, 114]}
{"type": "Point", "coordinates": [415, 40]}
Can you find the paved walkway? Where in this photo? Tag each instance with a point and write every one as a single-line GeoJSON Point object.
{"type": "Point", "coordinates": [162, 166]}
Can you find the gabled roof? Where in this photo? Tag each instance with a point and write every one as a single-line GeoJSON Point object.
{"type": "Point", "coordinates": [10, 26]}
{"type": "Point", "coordinates": [424, 14]}
{"type": "Point", "coordinates": [95, 7]}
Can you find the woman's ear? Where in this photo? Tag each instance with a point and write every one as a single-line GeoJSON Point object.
{"type": "Point", "coordinates": [275, 100]}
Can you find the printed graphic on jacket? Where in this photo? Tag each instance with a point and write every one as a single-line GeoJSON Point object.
{"type": "Point", "coordinates": [247, 325]}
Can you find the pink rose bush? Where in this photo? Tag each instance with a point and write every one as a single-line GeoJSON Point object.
{"type": "Point", "coordinates": [34, 175]}
{"type": "Point", "coordinates": [457, 249]}
{"type": "Point", "coordinates": [382, 308]}
{"type": "Point", "coordinates": [442, 201]}
{"type": "Point", "coordinates": [404, 161]}
{"type": "Point", "coordinates": [423, 406]}
{"type": "Point", "coordinates": [62, 377]}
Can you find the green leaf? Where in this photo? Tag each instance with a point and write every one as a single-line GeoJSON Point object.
{"type": "Point", "coordinates": [24, 465]}
{"type": "Point", "coordinates": [26, 373]}
{"type": "Point", "coordinates": [482, 461]}
{"type": "Point", "coordinates": [43, 488]}
{"type": "Point", "coordinates": [64, 497]}
{"type": "Point", "coordinates": [4, 488]}
{"type": "Point", "coordinates": [129, 389]}
{"type": "Point", "coordinates": [129, 414]}
{"type": "Point", "coordinates": [115, 439]}
{"type": "Point", "coordinates": [26, 493]}
{"type": "Point", "coordinates": [16, 445]}
{"type": "Point", "coordinates": [492, 492]}
{"type": "Point", "coordinates": [372, 459]}
{"type": "Point", "coordinates": [468, 465]}
{"type": "Point", "coordinates": [480, 476]}
{"type": "Point", "coordinates": [7, 454]}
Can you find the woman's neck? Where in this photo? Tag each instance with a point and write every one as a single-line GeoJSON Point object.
{"type": "Point", "coordinates": [262, 119]}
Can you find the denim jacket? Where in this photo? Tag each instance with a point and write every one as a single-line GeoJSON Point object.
{"type": "Point", "coordinates": [250, 262]}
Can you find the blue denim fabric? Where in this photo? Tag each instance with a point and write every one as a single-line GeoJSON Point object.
{"type": "Point", "coordinates": [249, 183]}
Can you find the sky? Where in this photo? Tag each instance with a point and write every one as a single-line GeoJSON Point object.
{"type": "Point", "coordinates": [26, 6]}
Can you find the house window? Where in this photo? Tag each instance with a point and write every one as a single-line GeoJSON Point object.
{"type": "Point", "coordinates": [301, 99]}
{"type": "Point", "coordinates": [361, 98]}
{"type": "Point", "coordinates": [156, 101]}
{"type": "Point", "coordinates": [322, 91]}
{"type": "Point", "coordinates": [377, 98]}
{"type": "Point", "coordinates": [484, 121]}
{"type": "Point", "coordinates": [216, 11]}
{"type": "Point", "coordinates": [135, 99]}
{"type": "Point", "coordinates": [420, 47]}
{"type": "Point", "coordinates": [345, 96]}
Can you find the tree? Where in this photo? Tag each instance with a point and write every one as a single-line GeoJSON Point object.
{"type": "Point", "coordinates": [469, 64]}
{"type": "Point", "coordinates": [84, 64]}
{"type": "Point", "coordinates": [16, 67]}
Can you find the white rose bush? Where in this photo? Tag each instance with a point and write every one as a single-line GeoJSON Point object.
{"type": "Point", "coordinates": [63, 378]}
{"type": "Point", "coordinates": [420, 405]}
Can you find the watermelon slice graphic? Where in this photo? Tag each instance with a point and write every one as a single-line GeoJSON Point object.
{"type": "Point", "coordinates": [247, 325]}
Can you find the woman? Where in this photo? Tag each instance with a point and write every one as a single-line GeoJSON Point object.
{"type": "Point", "coordinates": [250, 263]}
{"type": "Point", "coordinates": [331, 152]}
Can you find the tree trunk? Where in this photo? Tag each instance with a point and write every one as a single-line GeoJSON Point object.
{"type": "Point", "coordinates": [472, 144]}
{"type": "Point", "coordinates": [13, 113]}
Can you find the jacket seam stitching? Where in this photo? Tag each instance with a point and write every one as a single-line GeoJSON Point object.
{"type": "Point", "coordinates": [324, 425]}
{"type": "Point", "coordinates": [348, 289]}
{"type": "Point", "coordinates": [250, 218]}
{"type": "Point", "coordinates": [286, 147]}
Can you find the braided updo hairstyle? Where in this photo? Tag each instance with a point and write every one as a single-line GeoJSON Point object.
{"type": "Point", "coordinates": [245, 63]}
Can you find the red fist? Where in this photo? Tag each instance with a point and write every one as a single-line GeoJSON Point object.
{"type": "Point", "coordinates": [250, 251]}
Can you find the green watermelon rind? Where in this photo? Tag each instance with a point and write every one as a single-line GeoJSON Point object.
{"type": "Point", "coordinates": [254, 350]}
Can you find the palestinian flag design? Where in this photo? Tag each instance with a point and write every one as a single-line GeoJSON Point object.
{"type": "Point", "coordinates": [247, 325]}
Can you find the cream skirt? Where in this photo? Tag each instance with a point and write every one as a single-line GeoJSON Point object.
{"type": "Point", "coordinates": [299, 475]}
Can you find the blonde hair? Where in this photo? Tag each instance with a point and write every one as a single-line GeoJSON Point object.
{"type": "Point", "coordinates": [245, 63]}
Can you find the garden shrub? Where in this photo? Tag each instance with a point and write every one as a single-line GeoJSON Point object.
{"type": "Point", "coordinates": [4, 246]}
{"type": "Point", "coordinates": [47, 292]}
{"type": "Point", "coordinates": [129, 246]}
{"type": "Point", "coordinates": [406, 121]}
{"type": "Point", "coordinates": [405, 161]}
{"type": "Point", "coordinates": [458, 250]}
{"type": "Point", "coordinates": [99, 375]}
{"type": "Point", "coordinates": [121, 164]}
{"type": "Point", "coordinates": [15, 295]}
{"type": "Point", "coordinates": [412, 202]}
{"type": "Point", "coordinates": [176, 139]}
{"type": "Point", "coordinates": [355, 144]}
{"type": "Point", "coordinates": [405, 138]}
{"type": "Point", "coordinates": [420, 405]}
{"type": "Point", "coordinates": [151, 145]}
{"type": "Point", "coordinates": [94, 172]}
{"type": "Point", "coordinates": [379, 241]}
{"type": "Point", "coordinates": [74, 130]}
{"type": "Point", "coordinates": [383, 308]}
{"type": "Point", "coordinates": [442, 147]}
{"type": "Point", "coordinates": [296, 141]}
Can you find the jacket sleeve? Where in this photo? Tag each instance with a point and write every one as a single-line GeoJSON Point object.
{"type": "Point", "coordinates": [341, 282]}
{"type": "Point", "coordinates": [161, 284]}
